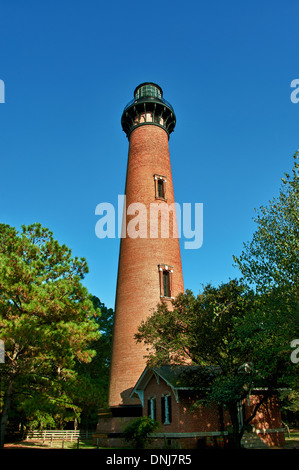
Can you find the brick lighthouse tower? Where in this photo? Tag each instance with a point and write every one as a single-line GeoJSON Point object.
{"type": "Point", "coordinates": [150, 267]}
{"type": "Point", "coordinates": [149, 272]}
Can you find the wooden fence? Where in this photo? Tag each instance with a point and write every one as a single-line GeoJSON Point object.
{"type": "Point", "coordinates": [66, 435]}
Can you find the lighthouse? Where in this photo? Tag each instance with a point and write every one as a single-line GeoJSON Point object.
{"type": "Point", "coordinates": [150, 272]}
{"type": "Point", "coordinates": [150, 269]}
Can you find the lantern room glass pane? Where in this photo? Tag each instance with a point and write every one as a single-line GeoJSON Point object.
{"type": "Point", "coordinates": [148, 90]}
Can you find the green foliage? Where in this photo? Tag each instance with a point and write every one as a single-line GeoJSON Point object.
{"type": "Point", "coordinates": [205, 331]}
{"type": "Point", "coordinates": [271, 259]}
{"type": "Point", "coordinates": [41, 420]}
{"type": "Point", "coordinates": [290, 407]}
{"type": "Point", "coordinates": [270, 263]}
{"type": "Point", "coordinates": [47, 317]}
{"type": "Point", "coordinates": [138, 431]}
{"type": "Point", "coordinates": [240, 332]}
{"type": "Point", "coordinates": [199, 328]}
{"type": "Point", "coordinates": [41, 293]}
{"type": "Point", "coordinates": [221, 330]}
{"type": "Point", "coordinates": [93, 378]}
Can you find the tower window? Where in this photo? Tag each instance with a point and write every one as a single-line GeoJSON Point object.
{"type": "Point", "coordinates": [165, 277]}
{"type": "Point", "coordinates": [166, 289]}
{"type": "Point", "coordinates": [160, 186]}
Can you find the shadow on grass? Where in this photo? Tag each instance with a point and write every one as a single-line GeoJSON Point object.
{"type": "Point", "coordinates": [56, 444]}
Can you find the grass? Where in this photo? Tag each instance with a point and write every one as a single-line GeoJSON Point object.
{"type": "Point", "coordinates": [56, 444]}
{"type": "Point", "coordinates": [293, 440]}
{"type": "Point", "coordinates": [72, 445]}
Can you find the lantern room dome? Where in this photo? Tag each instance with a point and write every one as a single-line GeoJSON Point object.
{"type": "Point", "coordinates": [148, 107]}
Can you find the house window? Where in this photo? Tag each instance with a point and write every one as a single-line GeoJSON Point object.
{"type": "Point", "coordinates": [166, 409]}
{"type": "Point", "coordinates": [151, 407]}
{"type": "Point", "coordinates": [165, 277]}
{"type": "Point", "coordinates": [160, 187]}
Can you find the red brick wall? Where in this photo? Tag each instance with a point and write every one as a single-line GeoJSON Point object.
{"type": "Point", "coordinates": [138, 288]}
{"type": "Point", "coordinates": [268, 417]}
{"type": "Point", "coordinates": [153, 388]}
{"type": "Point", "coordinates": [207, 418]}
{"type": "Point", "coordinates": [204, 419]}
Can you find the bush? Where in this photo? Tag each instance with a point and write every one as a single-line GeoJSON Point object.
{"type": "Point", "coordinates": [138, 431]}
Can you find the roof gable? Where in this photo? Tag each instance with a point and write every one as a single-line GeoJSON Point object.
{"type": "Point", "coordinates": [177, 377]}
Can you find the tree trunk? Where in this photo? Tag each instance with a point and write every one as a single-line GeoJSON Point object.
{"type": "Point", "coordinates": [5, 413]}
{"type": "Point", "coordinates": [263, 400]}
{"type": "Point", "coordinates": [236, 434]}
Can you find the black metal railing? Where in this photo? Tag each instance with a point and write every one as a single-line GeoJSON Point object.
{"type": "Point", "coordinates": [148, 98]}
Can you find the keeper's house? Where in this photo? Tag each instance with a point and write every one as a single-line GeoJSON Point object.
{"type": "Point", "coordinates": [167, 396]}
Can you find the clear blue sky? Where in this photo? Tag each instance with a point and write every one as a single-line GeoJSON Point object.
{"type": "Point", "coordinates": [70, 67]}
